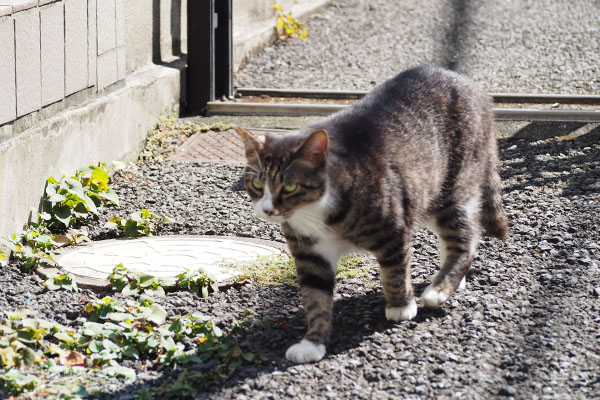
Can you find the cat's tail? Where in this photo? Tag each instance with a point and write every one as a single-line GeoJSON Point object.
{"type": "Point", "coordinates": [493, 217]}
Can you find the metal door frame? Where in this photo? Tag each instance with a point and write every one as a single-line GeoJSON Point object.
{"type": "Point", "coordinates": [209, 73]}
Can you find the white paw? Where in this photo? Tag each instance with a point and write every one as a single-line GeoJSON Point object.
{"type": "Point", "coordinates": [432, 297]}
{"type": "Point", "coordinates": [405, 313]}
{"type": "Point", "coordinates": [463, 283]}
{"type": "Point", "coordinates": [305, 352]}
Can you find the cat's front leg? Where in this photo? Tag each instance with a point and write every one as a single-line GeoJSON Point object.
{"type": "Point", "coordinates": [316, 277]}
{"type": "Point", "coordinates": [393, 255]}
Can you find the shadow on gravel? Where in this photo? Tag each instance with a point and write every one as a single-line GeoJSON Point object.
{"type": "Point", "coordinates": [543, 130]}
{"type": "Point", "coordinates": [566, 164]}
{"type": "Point", "coordinates": [536, 168]}
{"type": "Point", "coordinates": [453, 51]}
{"type": "Point", "coordinates": [355, 318]}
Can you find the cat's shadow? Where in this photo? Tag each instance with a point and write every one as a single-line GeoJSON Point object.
{"type": "Point", "coordinates": [364, 315]}
{"type": "Point", "coordinates": [356, 319]}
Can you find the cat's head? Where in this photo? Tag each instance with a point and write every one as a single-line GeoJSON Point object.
{"type": "Point", "coordinates": [285, 172]}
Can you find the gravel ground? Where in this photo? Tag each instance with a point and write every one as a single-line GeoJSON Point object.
{"type": "Point", "coordinates": [529, 46]}
{"type": "Point", "coordinates": [528, 325]}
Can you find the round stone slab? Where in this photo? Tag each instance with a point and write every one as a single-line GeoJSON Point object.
{"type": "Point", "coordinates": [164, 257]}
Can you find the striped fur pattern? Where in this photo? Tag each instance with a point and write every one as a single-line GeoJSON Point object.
{"type": "Point", "coordinates": [419, 149]}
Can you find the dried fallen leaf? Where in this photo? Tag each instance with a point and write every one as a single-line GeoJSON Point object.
{"type": "Point", "coordinates": [71, 358]}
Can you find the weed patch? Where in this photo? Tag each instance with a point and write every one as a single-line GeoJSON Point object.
{"type": "Point", "coordinates": [139, 223]}
{"type": "Point", "coordinates": [269, 271]}
{"type": "Point", "coordinates": [73, 199]}
{"type": "Point", "coordinates": [282, 270]}
{"type": "Point", "coordinates": [288, 27]}
{"type": "Point", "coordinates": [171, 132]}
{"type": "Point", "coordinates": [115, 330]}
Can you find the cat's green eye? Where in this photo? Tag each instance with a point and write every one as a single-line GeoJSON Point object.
{"type": "Point", "coordinates": [257, 185]}
{"type": "Point", "coordinates": [290, 188]}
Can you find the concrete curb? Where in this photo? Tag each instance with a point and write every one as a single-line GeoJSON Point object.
{"type": "Point", "coordinates": [111, 126]}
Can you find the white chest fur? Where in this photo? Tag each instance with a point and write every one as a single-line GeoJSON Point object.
{"type": "Point", "coordinates": [309, 220]}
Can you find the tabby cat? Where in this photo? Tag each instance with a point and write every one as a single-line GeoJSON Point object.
{"type": "Point", "coordinates": [418, 149]}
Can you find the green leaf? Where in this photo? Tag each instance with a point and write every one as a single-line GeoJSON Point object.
{"type": "Point", "coordinates": [56, 198]}
{"type": "Point", "coordinates": [8, 243]}
{"type": "Point", "coordinates": [168, 343]}
{"type": "Point", "coordinates": [51, 284]}
{"type": "Point", "coordinates": [75, 187]}
{"type": "Point", "coordinates": [111, 225]}
{"type": "Point", "coordinates": [63, 214]}
{"type": "Point", "coordinates": [119, 316]}
{"type": "Point", "coordinates": [111, 346]}
{"type": "Point", "coordinates": [130, 289]}
{"type": "Point", "coordinates": [146, 280]}
{"type": "Point", "coordinates": [132, 229]}
{"type": "Point", "coordinates": [84, 172]}
{"type": "Point", "coordinates": [158, 316]}
{"type": "Point", "coordinates": [92, 329]}
{"type": "Point", "coordinates": [145, 213]}
{"type": "Point", "coordinates": [51, 188]}
{"type": "Point", "coordinates": [96, 346]}
{"type": "Point", "coordinates": [111, 196]}
{"type": "Point", "coordinates": [65, 337]}
{"type": "Point", "coordinates": [117, 370]}
{"type": "Point", "coordinates": [89, 203]}
{"type": "Point", "coordinates": [136, 216]}
{"type": "Point", "coordinates": [131, 352]}
{"type": "Point", "coordinates": [194, 288]}
{"type": "Point", "coordinates": [28, 357]}
{"type": "Point", "coordinates": [99, 175]}
{"type": "Point", "coordinates": [157, 291]}
{"type": "Point", "coordinates": [20, 379]}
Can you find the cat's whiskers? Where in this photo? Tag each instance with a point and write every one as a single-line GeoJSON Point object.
{"type": "Point", "coordinates": [256, 152]}
{"type": "Point", "coordinates": [252, 167]}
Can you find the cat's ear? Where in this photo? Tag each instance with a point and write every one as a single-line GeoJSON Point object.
{"type": "Point", "coordinates": [315, 147]}
{"type": "Point", "coordinates": [253, 144]}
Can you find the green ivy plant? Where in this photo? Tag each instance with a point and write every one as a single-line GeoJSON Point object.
{"type": "Point", "coordinates": [33, 245]}
{"type": "Point", "coordinates": [64, 281]}
{"type": "Point", "coordinates": [196, 282]}
{"type": "Point", "coordinates": [126, 282]}
{"type": "Point", "coordinates": [139, 223]}
{"type": "Point", "coordinates": [115, 330]}
{"type": "Point", "coordinates": [75, 198]}
{"type": "Point", "coordinates": [15, 382]}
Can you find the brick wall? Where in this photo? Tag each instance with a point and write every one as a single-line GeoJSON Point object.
{"type": "Point", "coordinates": [52, 49]}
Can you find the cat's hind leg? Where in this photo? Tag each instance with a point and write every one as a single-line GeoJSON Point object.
{"type": "Point", "coordinates": [393, 255]}
{"type": "Point", "coordinates": [458, 231]}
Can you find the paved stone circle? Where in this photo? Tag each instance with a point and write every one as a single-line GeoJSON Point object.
{"type": "Point", "coordinates": [164, 257]}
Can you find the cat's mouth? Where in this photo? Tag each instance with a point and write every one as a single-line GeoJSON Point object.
{"type": "Point", "coordinates": [273, 216]}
